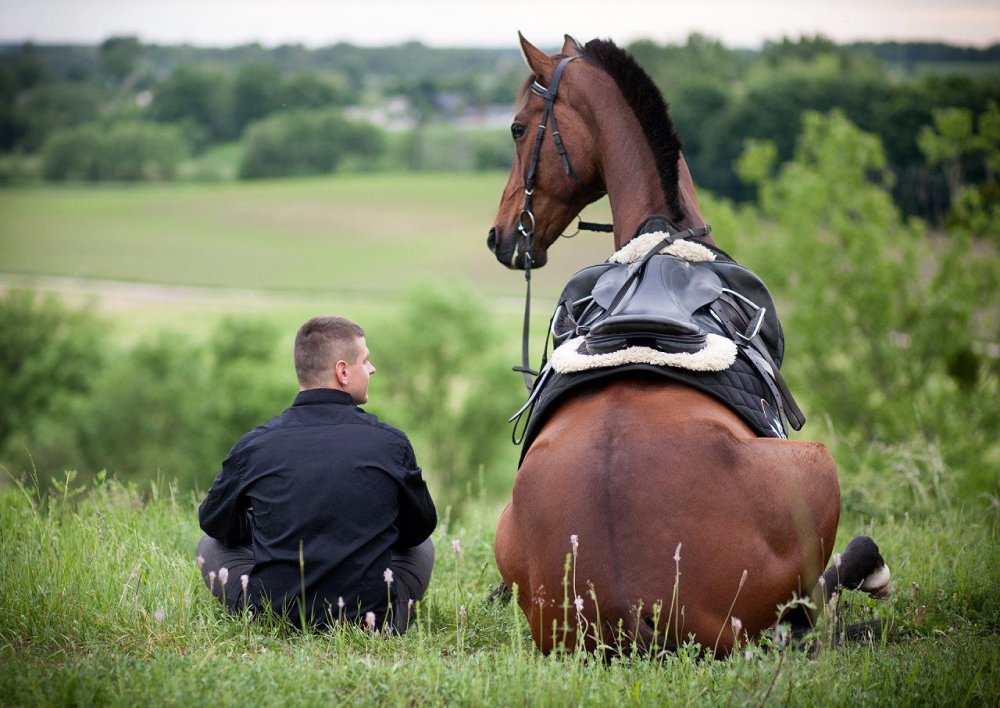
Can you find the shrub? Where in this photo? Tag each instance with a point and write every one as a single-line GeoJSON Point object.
{"type": "Point", "coordinates": [449, 390]}
{"type": "Point", "coordinates": [47, 354]}
{"type": "Point", "coordinates": [130, 151]}
{"type": "Point", "coordinates": [884, 323]}
{"type": "Point", "coordinates": [306, 143]}
{"type": "Point", "coordinates": [169, 406]}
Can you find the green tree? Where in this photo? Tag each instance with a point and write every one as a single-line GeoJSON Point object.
{"type": "Point", "coordinates": [882, 322]}
{"type": "Point", "coordinates": [256, 93]}
{"type": "Point", "coordinates": [119, 56]}
{"type": "Point", "coordinates": [308, 89]}
{"type": "Point", "coordinates": [197, 97]}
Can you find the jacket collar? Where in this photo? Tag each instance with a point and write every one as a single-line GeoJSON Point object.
{"type": "Point", "coordinates": [316, 396]}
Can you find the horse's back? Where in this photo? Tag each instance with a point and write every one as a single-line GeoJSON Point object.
{"type": "Point", "coordinates": [636, 468]}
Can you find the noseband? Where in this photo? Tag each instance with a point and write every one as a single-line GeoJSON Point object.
{"type": "Point", "coordinates": [526, 219]}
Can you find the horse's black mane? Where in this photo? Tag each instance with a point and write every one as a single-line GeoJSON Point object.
{"type": "Point", "coordinates": [650, 109]}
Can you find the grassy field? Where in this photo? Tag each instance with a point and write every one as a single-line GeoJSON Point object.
{"type": "Point", "coordinates": [183, 256]}
{"type": "Point", "coordinates": [367, 235]}
{"type": "Point", "coordinates": [101, 603]}
{"type": "Point", "coordinates": [100, 598]}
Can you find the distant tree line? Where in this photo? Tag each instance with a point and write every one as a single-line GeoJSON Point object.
{"type": "Point", "coordinates": [126, 110]}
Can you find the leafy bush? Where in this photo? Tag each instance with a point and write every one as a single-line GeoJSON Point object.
{"type": "Point", "coordinates": [885, 324]}
{"type": "Point", "coordinates": [131, 151]}
{"type": "Point", "coordinates": [306, 143]}
{"type": "Point", "coordinates": [168, 406]}
{"type": "Point", "coordinates": [449, 390]}
{"type": "Point", "coordinates": [47, 354]}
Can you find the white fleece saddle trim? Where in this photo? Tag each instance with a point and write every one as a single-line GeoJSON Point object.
{"type": "Point", "coordinates": [718, 355]}
{"type": "Point", "coordinates": [638, 247]}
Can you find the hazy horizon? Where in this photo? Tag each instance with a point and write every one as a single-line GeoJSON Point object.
{"type": "Point", "coordinates": [472, 23]}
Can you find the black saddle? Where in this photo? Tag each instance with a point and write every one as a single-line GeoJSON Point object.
{"type": "Point", "coordinates": [652, 302]}
{"type": "Point", "coordinates": [670, 304]}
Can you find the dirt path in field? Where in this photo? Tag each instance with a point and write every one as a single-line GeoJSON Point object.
{"type": "Point", "coordinates": [121, 295]}
{"type": "Point", "coordinates": [117, 295]}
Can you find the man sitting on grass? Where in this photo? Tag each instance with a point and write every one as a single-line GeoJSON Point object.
{"type": "Point", "coordinates": [323, 502]}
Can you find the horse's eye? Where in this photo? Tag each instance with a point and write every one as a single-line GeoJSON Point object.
{"type": "Point", "coordinates": [517, 130]}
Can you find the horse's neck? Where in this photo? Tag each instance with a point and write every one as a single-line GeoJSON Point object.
{"type": "Point", "coordinates": [633, 182]}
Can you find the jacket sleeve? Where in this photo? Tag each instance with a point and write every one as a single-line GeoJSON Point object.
{"type": "Point", "coordinates": [417, 515]}
{"type": "Point", "coordinates": [223, 513]}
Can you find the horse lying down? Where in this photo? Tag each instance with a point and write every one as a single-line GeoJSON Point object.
{"type": "Point", "coordinates": [646, 509]}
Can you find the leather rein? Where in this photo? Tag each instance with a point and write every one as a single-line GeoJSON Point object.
{"type": "Point", "coordinates": [526, 219]}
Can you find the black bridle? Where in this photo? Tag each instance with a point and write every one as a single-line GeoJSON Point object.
{"type": "Point", "coordinates": [526, 219]}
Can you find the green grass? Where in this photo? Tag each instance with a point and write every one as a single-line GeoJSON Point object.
{"type": "Point", "coordinates": [359, 235]}
{"type": "Point", "coordinates": [81, 580]}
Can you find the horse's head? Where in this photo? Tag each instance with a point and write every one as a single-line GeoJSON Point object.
{"type": "Point", "coordinates": [556, 170]}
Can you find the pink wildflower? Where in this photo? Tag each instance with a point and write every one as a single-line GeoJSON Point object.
{"type": "Point", "coordinates": [245, 582]}
{"type": "Point", "coordinates": [737, 624]}
{"type": "Point", "coordinates": [370, 620]}
{"type": "Point", "coordinates": [579, 603]}
{"type": "Point", "coordinates": [211, 580]}
{"type": "Point", "coordinates": [223, 575]}
{"type": "Point", "coordinates": [836, 560]}
{"type": "Point", "coordinates": [575, 542]}
{"type": "Point", "coordinates": [456, 546]}
{"type": "Point", "coordinates": [340, 603]}
{"type": "Point", "coordinates": [388, 576]}
{"type": "Point", "coordinates": [201, 561]}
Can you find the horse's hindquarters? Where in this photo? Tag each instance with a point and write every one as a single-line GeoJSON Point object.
{"type": "Point", "coordinates": [636, 474]}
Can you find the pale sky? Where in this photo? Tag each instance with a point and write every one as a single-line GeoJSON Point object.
{"type": "Point", "coordinates": [478, 23]}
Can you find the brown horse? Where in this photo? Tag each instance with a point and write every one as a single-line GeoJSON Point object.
{"type": "Point", "coordinates": [645, 511]}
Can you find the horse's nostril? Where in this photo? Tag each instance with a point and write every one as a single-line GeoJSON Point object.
{"type": "Point", "coordinates": [491, 240]}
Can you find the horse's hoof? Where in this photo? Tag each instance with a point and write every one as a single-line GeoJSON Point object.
{"type": "Point", "coordinates": [859, 567]}
{"type": "Point", "coordinates": [877, 584]}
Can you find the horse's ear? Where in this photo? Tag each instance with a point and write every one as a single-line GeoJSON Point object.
{"type": "Point", "coordinates": [571, 47]}
{"type": "Point", "coordinates": [537, 60]}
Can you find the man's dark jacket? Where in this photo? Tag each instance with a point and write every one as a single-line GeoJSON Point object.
{"type": "Point", "coordinates": [333, 481]}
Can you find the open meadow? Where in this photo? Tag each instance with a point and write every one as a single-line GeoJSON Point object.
{"type": "Point", "coordinates": [101, 601]}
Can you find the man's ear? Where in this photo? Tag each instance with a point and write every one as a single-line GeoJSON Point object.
{"type": "Point", "coordinates": [340, 373]}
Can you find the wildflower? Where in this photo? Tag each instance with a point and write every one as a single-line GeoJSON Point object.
{"type": "Point", "coordinates": [211, 580]}
{"type": "Point", "coordinates": [201, 561]}
{"type": "Point", "coordinates": [677, 554]}
{"type": "Point", "coordinates": [822, 581]}
{"type": "Point", "coordinates": [575, 542]}
{"type": "Point", "coordinates": [340, 604]}
{"type": "Point", "coordinates": [223, 575]}
{"type": "Point", "coordinates": [370, 620]}
{"type": "Point", "coordinates": [388, 576]}
{"type": "Point", "coordinates": [159, 614]}
{"type": "Point", "coordinates": [579, 603]}
{"type": "Point", "coordinates": [836, 560]}
{"type": "Point", "coordinates": [737, 624]}
{"type": "Point", "coordinates": [244, 581]}
{"type": "Point", "coordinates": [456, 546]}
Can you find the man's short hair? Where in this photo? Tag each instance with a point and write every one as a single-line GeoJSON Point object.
{"type": "Point", "coordinates": [320, 343]}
